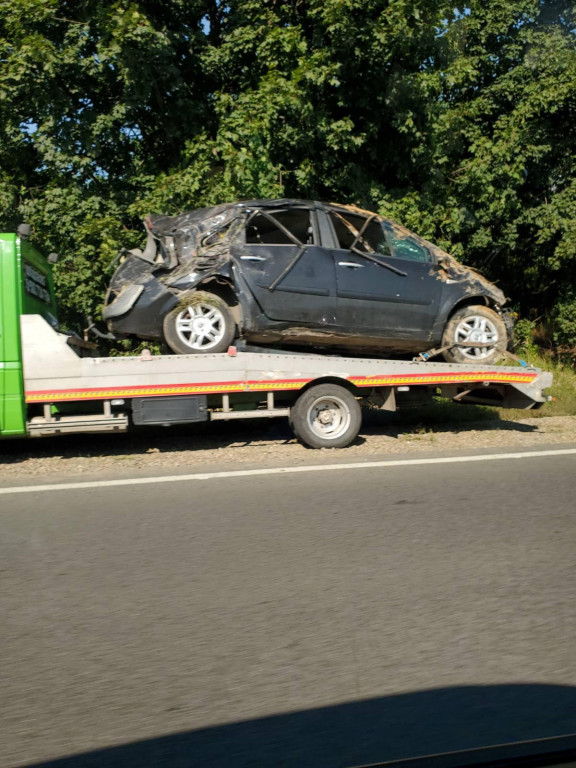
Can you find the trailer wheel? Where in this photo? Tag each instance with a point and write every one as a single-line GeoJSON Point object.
{"type": "Point", "coordinates": [326, 416]}
{"type": "Point", "coordinates": [201, 323]}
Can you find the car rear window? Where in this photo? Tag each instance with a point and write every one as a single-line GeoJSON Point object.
{"type": "Point", "coordinates": [262, 230]}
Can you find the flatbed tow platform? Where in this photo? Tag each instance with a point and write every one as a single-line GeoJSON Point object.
{"type": "Point", "coordinates": [51, 383]}
{"type": "Point", "coordinates": [66, 392]}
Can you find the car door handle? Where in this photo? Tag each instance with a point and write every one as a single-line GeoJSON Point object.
{"type": "Point", "coordinates": [352, 264]}
{"type": "Point", "coordinates": [253, 258]}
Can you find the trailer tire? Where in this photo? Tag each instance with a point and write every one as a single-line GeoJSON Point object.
{"type": "Point", "coordinates": [326, 416]}
{"type": "Point", "coordinates": [202, 323]}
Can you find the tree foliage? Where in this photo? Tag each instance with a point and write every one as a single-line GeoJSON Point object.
{"type": "Point", "coordinates": [457, 120]}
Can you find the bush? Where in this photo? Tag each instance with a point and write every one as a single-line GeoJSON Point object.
{"type": "Point", "coordinates": [524, 331]}
{"type": "Point", "coordinates": [565, 324]}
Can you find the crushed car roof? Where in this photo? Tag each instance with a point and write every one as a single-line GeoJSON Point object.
{"type": "Point", "coordinates": [161, 224]}
{"type": "Point", "coordinates": [205, 221]}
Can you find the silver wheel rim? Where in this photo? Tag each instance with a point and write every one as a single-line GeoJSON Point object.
{"type": "Point", "coordinates": [329, 417]}
{"type": "Point", "coordinates": [476, 328]}
{"type": "Point", "coordinates": [201, 326]}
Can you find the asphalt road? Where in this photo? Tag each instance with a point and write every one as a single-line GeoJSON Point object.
{"type": "Point", "coordinates": [330, 618]}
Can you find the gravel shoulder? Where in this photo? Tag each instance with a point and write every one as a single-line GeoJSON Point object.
{"type": "Point", "coordinates": [253, 442]}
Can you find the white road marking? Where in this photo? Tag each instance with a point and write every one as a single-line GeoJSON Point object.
{"type": "Point", "coordinates": [283, 470]}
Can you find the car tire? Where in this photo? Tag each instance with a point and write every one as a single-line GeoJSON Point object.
{"type": "Point", "coordinates": [475, 323]}
{"type": "Point", "coordinates": [202, 323]}
{"type": "Point", "coordinates": [326, 416]}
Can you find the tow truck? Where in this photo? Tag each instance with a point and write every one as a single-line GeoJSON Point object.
{"type": "Point", "coordinates": [54, 383]}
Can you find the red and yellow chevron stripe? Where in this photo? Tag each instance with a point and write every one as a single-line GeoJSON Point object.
{"type": "Point", "coordinates": [271, 385]}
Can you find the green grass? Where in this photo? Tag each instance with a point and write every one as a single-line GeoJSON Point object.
{"type": "Point", "coordinates": [563, 389]}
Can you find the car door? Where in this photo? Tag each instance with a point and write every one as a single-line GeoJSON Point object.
{"type": "Point", "coordinates": [289, 274]}
{"type": "Point", "coordinates": [385, 282]}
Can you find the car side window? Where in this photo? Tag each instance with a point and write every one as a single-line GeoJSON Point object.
{"type": "Point", "coordinates": [358, 232]}
{"type": "Point", "coordinates": [406, 247]}
{"type": "Point", "coordinates": [270, 229]}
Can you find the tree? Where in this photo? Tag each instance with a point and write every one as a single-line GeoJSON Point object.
{"type": "Point", "coordinates": [507, 147]}
{"type": "Point", "coordinates": [96, 99]}
{"type": "Point", "coordinates": [457, 121]}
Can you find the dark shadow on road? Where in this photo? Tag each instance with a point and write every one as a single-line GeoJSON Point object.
{"type": "Point", "coordinates": [357, 733]}
{"type": "Point", "coordinates": [442, 417]}
{"type": "Point", "coordinates": [218, 435]}
{"type": "Point", "coordinates": [142, 440]}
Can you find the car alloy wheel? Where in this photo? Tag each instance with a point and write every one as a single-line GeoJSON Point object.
{"type": "Point", "coordinates": [200, 327]}
{"type": "Point", "coordinates": [201, 323]}
{"type": "Point", "coordinates": [474, 325]}
{"type": "Point", "coordinates": [476, 329]}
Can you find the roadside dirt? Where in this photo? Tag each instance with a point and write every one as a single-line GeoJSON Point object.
{"type": "Point", "coordinates": [253, 442]}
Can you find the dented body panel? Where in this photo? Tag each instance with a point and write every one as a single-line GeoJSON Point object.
{"type": "Point", "coordinates": [298, 273]}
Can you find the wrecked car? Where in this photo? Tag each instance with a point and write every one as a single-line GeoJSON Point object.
{"type": "Point", "coordinates": [294, 272]}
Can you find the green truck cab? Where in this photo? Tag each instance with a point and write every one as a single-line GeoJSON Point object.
{"type": "Point", "coordinates": [26, 288]}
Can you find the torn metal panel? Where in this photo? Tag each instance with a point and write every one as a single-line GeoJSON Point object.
{"type": "Point", "coordinates": [200, 243]}
{"type": "Point", "coordinates": [123, 302]}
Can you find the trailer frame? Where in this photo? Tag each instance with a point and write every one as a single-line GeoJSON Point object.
{"type": "Point", "coordinates": [63, 386]}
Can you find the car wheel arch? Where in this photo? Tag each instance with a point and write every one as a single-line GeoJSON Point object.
{"type": "Point", "coordinates": [469, 301]}
{"type": "Point", "coordinates": [449, 309]}
{"type": "Point", "coordinates": [222, 287]}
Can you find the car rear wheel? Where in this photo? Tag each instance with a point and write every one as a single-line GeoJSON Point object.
{"type": "Point", "coordinates": [476, 325]}
{"type": "Point", "coordinates": [201, 323]}
{"type": "Point", "coordinates": [326, 416]}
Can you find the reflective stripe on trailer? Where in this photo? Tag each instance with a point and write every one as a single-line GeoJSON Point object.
{"type": "Point", "coordinates": [442, 378]}
{"type": "Point", "coordinates": [269, 385]}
